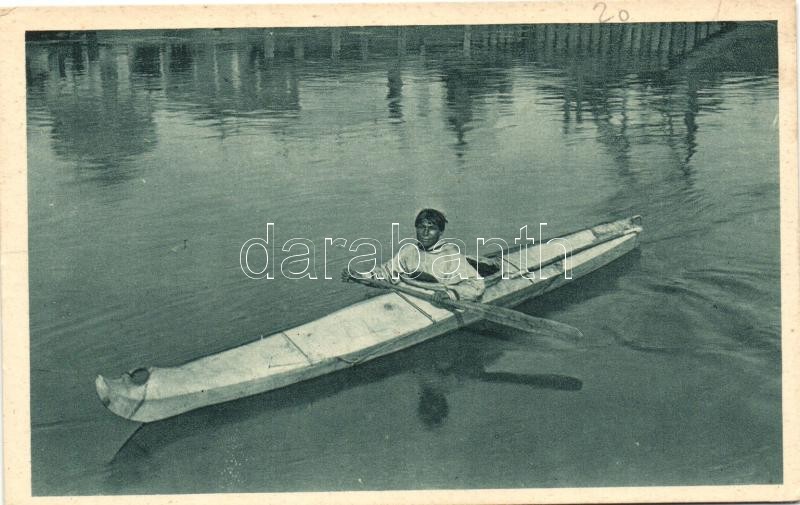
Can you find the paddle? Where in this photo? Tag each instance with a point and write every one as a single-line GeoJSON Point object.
{"type": "Point", "coordinates": [500, 315]}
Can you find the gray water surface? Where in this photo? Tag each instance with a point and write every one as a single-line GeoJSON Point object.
{"type": "Point", "coordinates": [153, 156]}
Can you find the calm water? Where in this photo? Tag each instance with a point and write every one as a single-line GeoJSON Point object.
{"type": "Point", "coordinates": [154, 156]}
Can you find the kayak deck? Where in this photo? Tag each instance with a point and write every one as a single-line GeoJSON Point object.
{"type": "Point", "coordinates": [363, 331]}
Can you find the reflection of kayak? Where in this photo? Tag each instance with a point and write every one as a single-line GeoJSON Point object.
{"type": "Point", "coordinates": [363, 331]}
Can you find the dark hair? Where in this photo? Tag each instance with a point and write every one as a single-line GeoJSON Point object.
{"type": "Point", "coordinates": [433, 216]}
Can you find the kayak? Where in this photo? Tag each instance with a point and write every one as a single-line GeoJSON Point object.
{"type": "Point", "coordinates": [363, 331]}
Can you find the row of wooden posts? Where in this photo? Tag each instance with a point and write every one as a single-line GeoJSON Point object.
{"type": "Point", "coordinates": [664, 39]}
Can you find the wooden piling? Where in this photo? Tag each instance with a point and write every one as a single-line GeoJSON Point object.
{"type": "Point", "coordinates": [655, 38]}
{"type": "Point", "coordinates": [676, 47]}
{"type": "Point", "coordinates": [572, 41]}
{"type": "Point", "coordinates": [549, 42]}
{"type": "Point", "coordinates": [363, 43]}
{"type": "Point", "coordinates": [690, 36]}
{"type": "Point", "coordinates": [336, 43]}
{"type": "Point", "coordinates": [625, 45]}
{"type": "Point", "coordinates": [402, 37]}
{"type": "Point", "coordinates": [269, 45]}
{"type": "Point", "coordinates": [666, 42]}
{"type": "Point", "coordinates": [636, 40]}
{"type": "Point", "coordinates": [585, 42]}
{"type": "Point", "coordinates": [564, 37]}
{"type": "Point", "coordinates": [530, 41]}
{"type": "Point", "coordinates": [605, 41]}
{"type": "Point", "coordinates": [299, 48]}
{"type": "Point", "coordinates": [538, 37]}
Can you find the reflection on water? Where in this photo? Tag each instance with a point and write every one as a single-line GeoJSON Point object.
{"type": "Point", "coordinates": [100, 86]}
{"type": "Point", "coordinates": [466, 86]}
{"type": "Point", "coordinates": [395, 94]}
{"type": "Point", "coordinates": [154, 155]}
{"type": "Point", "coordinates": [98, 118]}
{"type": "Point", "coordinates": [433, 408]}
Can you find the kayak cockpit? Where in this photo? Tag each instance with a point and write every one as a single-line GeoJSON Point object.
{"type": "Point", "coordinates": [488, 268]}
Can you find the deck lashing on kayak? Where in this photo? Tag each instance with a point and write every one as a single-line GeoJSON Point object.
{"type": "Point", "coordinates": [420, 309]}
{"type": "Point", "coordinates": [368, 356]}
{"type": "Point", "coordinates": [289, 339]}
{"type": "Point", "coordinates": [508, 260]}
{"type": "Point", "coordinates": [140, 402]}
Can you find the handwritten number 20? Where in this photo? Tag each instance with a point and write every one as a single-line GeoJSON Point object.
{"type": "Point", "coordinates": [623, 14]}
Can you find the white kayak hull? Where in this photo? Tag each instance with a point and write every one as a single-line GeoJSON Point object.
{"type": "Point", "coordinates": [360, 332]}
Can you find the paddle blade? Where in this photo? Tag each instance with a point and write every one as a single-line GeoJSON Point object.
{"type": "Point", "coordinates": [524, 322]}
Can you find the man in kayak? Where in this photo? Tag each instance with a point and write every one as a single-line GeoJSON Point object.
{"type": "Point", "coordinates": [440, 263]}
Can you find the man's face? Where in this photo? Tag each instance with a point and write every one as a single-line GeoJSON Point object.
{"type": "Point", "coordinates": [428, 233]}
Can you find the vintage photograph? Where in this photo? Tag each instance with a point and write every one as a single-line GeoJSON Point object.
{"type": "Point", "coordinates": [284, 259]}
